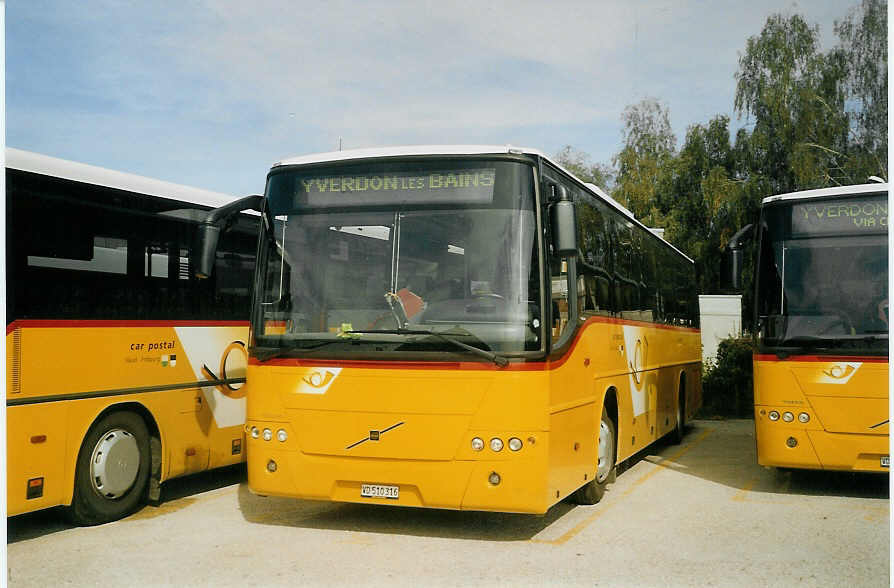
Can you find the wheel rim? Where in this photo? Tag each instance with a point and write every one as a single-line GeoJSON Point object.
{"type": "Point", "coordinates": [606, 450]}
{"type": "Point", "coordinates": [114, 464]}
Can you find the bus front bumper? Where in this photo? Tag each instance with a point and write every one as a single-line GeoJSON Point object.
{"type": "Point", "coordinates": [517, 485]}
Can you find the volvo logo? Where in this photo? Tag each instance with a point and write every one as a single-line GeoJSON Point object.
{"type": "Point", "coordinates": [374, 435]}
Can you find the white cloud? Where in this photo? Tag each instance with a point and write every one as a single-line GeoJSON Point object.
{"type": "Point", "coordinates": [293, 77]}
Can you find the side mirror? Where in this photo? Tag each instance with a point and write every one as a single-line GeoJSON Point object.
{"type": "Point", "coordinates": [737, 259]}
{"type": "Point", "coordinates": [208, 232]}
{"type": "Point", "coordinates": [564, 224]}
{"type": "Point", "coordinates": [207, 237]}
{"type": "Point", "coordinates": [736, 247]}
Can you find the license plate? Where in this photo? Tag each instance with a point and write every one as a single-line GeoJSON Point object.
{"type": "Point", "coordinates": [379, 491]}
{"type": "Point", "coordinates": [886, 461]}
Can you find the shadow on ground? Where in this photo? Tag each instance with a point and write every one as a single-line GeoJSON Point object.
{"type": "Point", "coordinates": [389, 519]}
{"type": "Point", "coordinates": [175, 495]}
{"type": "Point", "coordinates": [723, 451]}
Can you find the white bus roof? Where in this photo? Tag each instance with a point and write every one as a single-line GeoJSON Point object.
{"type": "Point", "coordinates": [98, 176]}
{"type": "Point", "coordinates": [404, 151]}
{"type": "Point", "coordinates": [413, 150]}
{"type": "Point", "coordinates": [854, 190]}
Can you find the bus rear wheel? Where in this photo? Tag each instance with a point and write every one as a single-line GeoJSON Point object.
{"type": "Point", "coordinates": [592, 491]}
{"type": "Point", "coordinates": [112, 470]}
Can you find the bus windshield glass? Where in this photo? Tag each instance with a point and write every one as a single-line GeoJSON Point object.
{"type": "Point", "coordinates": [388, 258]}
{"type": "Point", "coordinates": [823, 273]}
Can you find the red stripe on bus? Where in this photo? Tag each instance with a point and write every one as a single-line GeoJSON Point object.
{"type": "Point", "coordinates": [539, 365]}
{"type": "Point", "coordinates": [80, 324]}
{"type": "Point", "coordinates": [379, 364]}
{"type": "Point", "coordinates": [819, 358]}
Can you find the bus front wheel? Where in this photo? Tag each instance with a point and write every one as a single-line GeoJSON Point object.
{"type": "Point", "coordinates": [592, 491]}
{"type": "Point", "coordinates": [112, 470]}
{"type": "Point", "coordinates": [680, 427]}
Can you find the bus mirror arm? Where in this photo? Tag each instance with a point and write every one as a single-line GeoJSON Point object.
{"type": "Point", "coordinates": [736, 248]}
{"type": "Point", "coordinates": [208, 231]}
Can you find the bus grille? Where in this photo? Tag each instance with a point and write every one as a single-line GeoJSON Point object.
{"type": "Point", "coordinates": [16, 361]}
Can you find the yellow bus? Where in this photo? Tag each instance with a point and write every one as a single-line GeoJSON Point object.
{"type": "Point", "coordinates": [821, 365]}
{"type": "Point", "coordinates": [123, 370]}
{"type": "Point", "coordinates": [462, 328]}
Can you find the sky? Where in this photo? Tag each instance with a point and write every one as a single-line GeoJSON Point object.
{"type": "Point", "coordinates": [211, 93]}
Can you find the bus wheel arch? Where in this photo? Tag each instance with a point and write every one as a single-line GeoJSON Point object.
{"type": "Point", "coordinates": [606, 453]}
{"type": "Point", "coordinates": [115, 462]}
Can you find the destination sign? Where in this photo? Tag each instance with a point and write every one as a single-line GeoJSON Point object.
{"type": "Point", "coordinates": [853, 216]}
{"type": "Point", "coordinates": [467, 186]}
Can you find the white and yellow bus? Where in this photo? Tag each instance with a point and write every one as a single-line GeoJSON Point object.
{"type": "Point", "coordinates": [459, 327]}
{"type": "Point", "coordinates": [123, 370]}
{"type": "Point", "coordinates": [821, 366]}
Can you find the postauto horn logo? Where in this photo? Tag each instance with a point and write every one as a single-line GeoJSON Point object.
{"type": "Point", "coordinates": [317, 380]}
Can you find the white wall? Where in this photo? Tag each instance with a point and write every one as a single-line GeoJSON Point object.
{"type": "Point", "coordinates": [721, 318]}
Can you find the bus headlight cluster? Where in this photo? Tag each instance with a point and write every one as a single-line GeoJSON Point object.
{"type": "Point", "coordinates": [496, 444]}
{"type": "Point", "coordinates": [788, 417]}
{"type": "Point", "coordinates": [267, 434]}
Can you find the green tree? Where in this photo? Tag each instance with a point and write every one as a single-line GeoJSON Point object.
{"type": "Point", "coordinates": [649, 145]}
{"type": "Point", "coordinates": [578, 163]}
{"type": "Point", "coordinates": [701, 198]}
{"type": "Point", "coordinates": [863, 49]}
{"type": "Point", "coordinates": [795, 95]}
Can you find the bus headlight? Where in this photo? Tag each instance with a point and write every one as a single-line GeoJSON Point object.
{"type": "Point", "coordinates": [788, 417]}
{"type": "Point", "coordinates": [804, 417]}
{"type": "Point", "coordinates": [773, 416]}
{"type": "Point", "coordinates": [515, 444]}
{"type": "Point", "coordinates": [281, 435]}
{"type": "Point", "coordinates": [255, 432]}
{"type": "Point", "coordinates": [496, 444]}
{"type": "Point", "coordinates": [268, 434]}
{"type": "Point", "coordinates": [477, 444]}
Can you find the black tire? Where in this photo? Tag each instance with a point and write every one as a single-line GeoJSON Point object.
{"type": "Point", "coordinates": [680, 428]}
{"type": "Point", "coordinates": [112, 472]}
{"type": "Point", "coordinates": [592, 491]}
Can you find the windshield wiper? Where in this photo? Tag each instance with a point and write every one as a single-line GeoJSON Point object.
{"type": "Point", "coordinates": [805, 343]}
{"type": "Point", "coordinates": [499, 360]}
{"type": "Point", "coordinates": [268, 354]}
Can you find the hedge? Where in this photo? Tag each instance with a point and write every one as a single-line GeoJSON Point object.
{"type": "Point", "coordinates": [727, 382]}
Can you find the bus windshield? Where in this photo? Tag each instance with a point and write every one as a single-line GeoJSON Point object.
{"type": "Point", "coordinates": [823, 274]}
{"type": "Point", "coordinates": [408, 257]}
